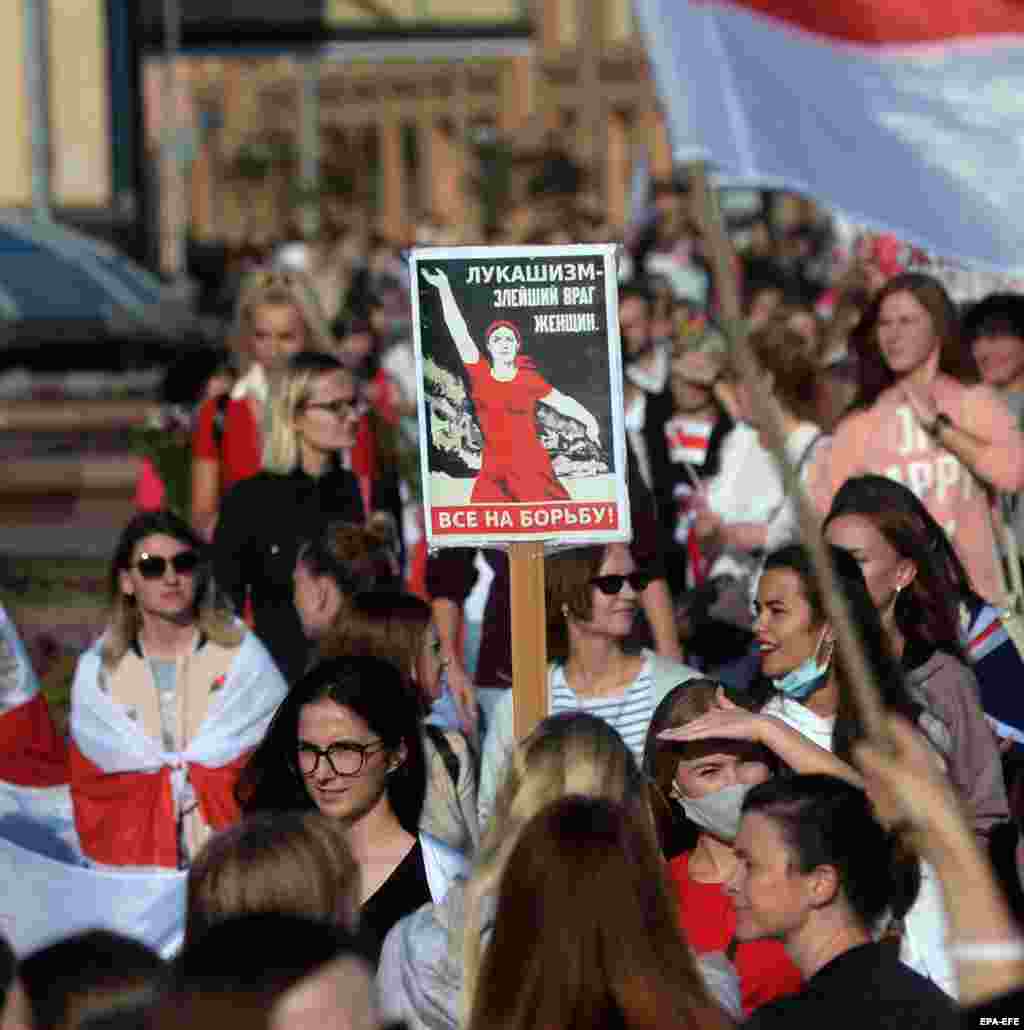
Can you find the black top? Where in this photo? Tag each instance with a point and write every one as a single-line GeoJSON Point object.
{"type": "Point", "coordinates": [867, 986]}
{"type": "Point", "coordinates": [404, 891]}
{"type": "Point", "coordinates": [263, 520]}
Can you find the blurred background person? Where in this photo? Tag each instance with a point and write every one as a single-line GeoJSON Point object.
{"type": "Point", "coordinates": [276, 317]}
{"type": "Point", "coordinates": [920, 421]}
{"type": "Point", "coordinates": [305, 485]}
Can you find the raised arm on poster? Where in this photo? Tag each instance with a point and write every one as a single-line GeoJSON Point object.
{"type": "Point", "coordinates": [521, 415]}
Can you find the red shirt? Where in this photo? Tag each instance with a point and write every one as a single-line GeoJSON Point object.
{"type": "Point", "coordinates": [239, 453]}
{"type": "Point", "coordinates": [708, 918]}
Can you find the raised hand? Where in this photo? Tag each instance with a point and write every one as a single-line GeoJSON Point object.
{"type": "Point", "coordinates": [436, 278]}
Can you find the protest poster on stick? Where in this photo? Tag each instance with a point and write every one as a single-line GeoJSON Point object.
{"type": "Point", "coordinates": [521, 419]}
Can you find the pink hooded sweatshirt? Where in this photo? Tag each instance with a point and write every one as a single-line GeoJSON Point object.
{"type": "Point", "coordinates": [886, 439]}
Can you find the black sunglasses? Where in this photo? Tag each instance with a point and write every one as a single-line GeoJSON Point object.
{"type": "Point", "coordinates": [153, 566]}
{"type": "Point", "coordinates": [612, 584]}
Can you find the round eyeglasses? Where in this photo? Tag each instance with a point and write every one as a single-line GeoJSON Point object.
{"type": "Point", "coordinates": [344, 758]}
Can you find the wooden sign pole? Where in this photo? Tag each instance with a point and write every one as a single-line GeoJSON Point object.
{"type": "Point", "coordinates": [723, 260]}
{"type": "Point", "coordinates": [529, 643]}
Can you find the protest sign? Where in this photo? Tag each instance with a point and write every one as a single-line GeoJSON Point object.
{"type": "Point", "coordinates": [520, 407]}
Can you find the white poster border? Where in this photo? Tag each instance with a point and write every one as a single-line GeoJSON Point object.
{"type": "Point", "coordinates": [608, 253]}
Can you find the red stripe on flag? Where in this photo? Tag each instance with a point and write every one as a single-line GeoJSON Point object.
{"type": "Point", "coordinates": [991, 628]}
{"type": "Point", "coordinates": [880, 22]}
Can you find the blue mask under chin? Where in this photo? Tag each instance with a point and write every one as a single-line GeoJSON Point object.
{"type": "Point", "coordinates": [806, 678]}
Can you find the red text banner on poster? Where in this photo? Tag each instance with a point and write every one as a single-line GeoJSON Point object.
{"type": "Point", "coordinates": [528, 519]}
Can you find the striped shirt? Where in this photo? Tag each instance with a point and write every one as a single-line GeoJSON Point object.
{"type": "Point", "coordinates": [629, 712]}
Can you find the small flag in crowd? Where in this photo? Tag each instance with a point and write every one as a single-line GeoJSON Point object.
{"type": "Point", "coordinates": [687, 440]}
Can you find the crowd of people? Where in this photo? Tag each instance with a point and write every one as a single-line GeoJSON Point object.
{"type": "Point", "coordinates": [705, 830]}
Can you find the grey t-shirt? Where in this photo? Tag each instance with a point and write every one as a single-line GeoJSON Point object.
{"type": "Point", "coordinates": [165, 676]}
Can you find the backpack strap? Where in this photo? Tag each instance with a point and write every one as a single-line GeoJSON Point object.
{"type": "Point", "coordinates": [448, 755]}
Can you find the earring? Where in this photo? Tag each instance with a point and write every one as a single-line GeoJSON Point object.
{"type": "Point", "coordinates": [565, 611]}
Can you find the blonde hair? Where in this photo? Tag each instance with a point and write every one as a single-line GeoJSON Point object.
{"type": "Point", "coordinates": [292, 863]}
{"type": "Point", "coordinates": [573, 753]}
{"type": "Point", "coordinates": [291, 389]}
{"type": "Point", "coordinates": [280, 288]}
{"type": "Point", "coordinates": [214, 618]}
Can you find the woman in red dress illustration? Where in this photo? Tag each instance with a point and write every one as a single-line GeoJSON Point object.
{"type": "Point", "coordinates": [515, 465]}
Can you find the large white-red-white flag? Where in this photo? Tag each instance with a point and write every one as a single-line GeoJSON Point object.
{"type": "Point", "coordinates": [907, 117]}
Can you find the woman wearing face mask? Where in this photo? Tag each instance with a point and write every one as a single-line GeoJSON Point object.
{"type": "Point", "coordinates": [707, 781]}
{"type": "Point", "coordinates": [903, 554]}
{"type": "Point", "coordinates": [809, 696]}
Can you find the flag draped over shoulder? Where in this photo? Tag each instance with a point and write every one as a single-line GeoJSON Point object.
{"type": "Point", "coordinates": [123, 784]}
{"type": "Point", "coordinates": [909, 118]}
{"type": "Point", "coordinates": [32, 752]}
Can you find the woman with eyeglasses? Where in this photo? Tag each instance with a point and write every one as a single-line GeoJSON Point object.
{"type": "Point", "coordinates": [166, 706]}
{"type": "Point", "coordinates": [346, 741]}
{"type": "Point", "coordinates": [591, 599]}
{"type": "Point", "coordinates": [306, 485]}
{"type": "Point", "coordinates": [277, 316]}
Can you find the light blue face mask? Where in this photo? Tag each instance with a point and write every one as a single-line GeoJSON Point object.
{"type": "Point", "coordinates": [807, 677]}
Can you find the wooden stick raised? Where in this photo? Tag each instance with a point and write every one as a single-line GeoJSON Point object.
{"type": "Point", "coordinates": [865, 690]}
{"type": "Point", "coordinates": [529, 639]}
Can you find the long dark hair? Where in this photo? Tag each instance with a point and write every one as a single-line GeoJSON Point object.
{"type": "Point", "coordinates": [826, 821]}
{"type": "Point", "coordinates": [873, 374]}
{"type": "Point", "coordinates": [926, 612]}
{"type": "Point", "coordinates": [371, 688]}
{"type": "Point", "coordinates": [850, 581]}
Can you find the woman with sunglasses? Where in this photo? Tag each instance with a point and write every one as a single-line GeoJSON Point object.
{"type": "Point", "coordinates": [591, 599]}
{"type": "Point", "coordinates": [277, 316]}
{"type": "Point", "coordinates": [347, 741]}
{"type": "Point", "coordinates": [315, 409]}
{"type": "Point", "coordinates": [166, 706]}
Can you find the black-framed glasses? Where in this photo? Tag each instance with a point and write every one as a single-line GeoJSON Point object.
{"type": "Point", "coordinates": [153, 566]}
{"type": "Point", "coordinates": [345, 758]}
{"type": "Point", "coordinates": [339, 408]}
{"type": "Point", "coordinates": [612, 584]}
